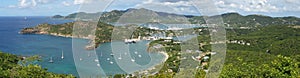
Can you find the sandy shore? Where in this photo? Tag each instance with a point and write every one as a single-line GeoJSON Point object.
{"type": "Point", "coordinates": [166, 56]}
{"type": "Point", "coordinates": [154, 66]}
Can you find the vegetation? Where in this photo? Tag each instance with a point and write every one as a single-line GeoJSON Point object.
{"type": "Point", "coordinates": [103, 32]}
{"type": "Point", "coordinates": [10, 67]}
{"type": "Point", "coordinates": [279, 39]}
{"type": "Point", "coordinates": [251, 21]}
{"type": "Point", "coordinates": [260, 65]}
{"type": "Point", "coordinates": [229, 19]}
{"type": "Point", "coordinates": [281, 61]}
{"type": "Point", "coordinates": [272, 52]}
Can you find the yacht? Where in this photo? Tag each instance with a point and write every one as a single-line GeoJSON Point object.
{"type": "Point", "coordinates": [62, 54]}
{"type": "Point", "coordinates": [96, 60]}
{"type": "Point", "coordinates": [133, 59]}
{"type": "Point", "coordinates": [135, 52]}
{"type": "Point", "coordinates": [120, 57]}
{"type": "Point", "coordinates": [51, 60]}
{"type": "Point", "coordinates": [111, 54]}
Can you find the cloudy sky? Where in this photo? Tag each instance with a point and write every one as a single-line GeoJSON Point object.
{"type": "Point", "coordinates": [275, 8]}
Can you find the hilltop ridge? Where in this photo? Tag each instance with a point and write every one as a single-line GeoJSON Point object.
{"type": "Point", "coordinates": [229, 19]}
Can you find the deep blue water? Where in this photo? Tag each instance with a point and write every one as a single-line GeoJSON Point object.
{"type": "Point", "coordinates": [51, 46]}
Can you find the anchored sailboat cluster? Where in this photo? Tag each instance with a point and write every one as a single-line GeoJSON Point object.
{"type": "Point", "coordinates": [51, 60]}
{"type": "Point", "coordinates": [62, 57]}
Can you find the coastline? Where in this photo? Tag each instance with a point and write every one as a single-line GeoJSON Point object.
{"type": "Point", "coordinates": [154, 67]}
{"type": "Point", "coordinates": [166, 56]}
{"type": "Point", "coordinates": [90, 47]}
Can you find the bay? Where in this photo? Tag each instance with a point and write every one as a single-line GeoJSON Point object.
{"type": "Point", "coordinates": [48, 46]}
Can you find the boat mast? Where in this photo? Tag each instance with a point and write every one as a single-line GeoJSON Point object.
{"type": "Point", "coordinates": [51, 60]}
{"type": "Point", "coordinates": [62, 54]}
{"type": "Point", "coordinates": [120, 57]}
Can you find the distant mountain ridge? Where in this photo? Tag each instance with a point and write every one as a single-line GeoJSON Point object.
{"type": "Point", "coordinates": [229, 19]}
{"type": "Point", "coordinates": [115, 15]}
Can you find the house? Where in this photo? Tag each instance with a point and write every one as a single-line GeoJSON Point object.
{"type": "Point", "coordinates": [213, 53]}
{"type": "Point", "coordinates": [176, 42]}
{"type": "Point", "coordinates": [248, 44]}
{"type": "Point", "coordinates": [206, 57]}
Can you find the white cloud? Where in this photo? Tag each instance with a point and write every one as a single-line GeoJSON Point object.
{"type": "Point", "coordinates": [178, 6]}
{"type": "Point", "coordinates": [175, 6]}
{"type": "Point", "coordinates": [78, 2]}
{"type": "Point", "coordinates": [43, 1]}
{"type": "Point", "coordinates": [29, 3]}
{"type": "Point", "coordinates": [259, 6]}
{"type": "Point", "coordinates": [292, 1]}
{"type": "Point", "coordinates": [266, 6]}
{"type": "Point", "coordinates": [24, 4]}
{"type": "Point", "coordinates": [92, 6]}
{"type": "Point", "coordinates": [33, 2]}
{"type": "Point", "coordinates": [65, 3]}
{"type": "Point", "coordinates": [223, 6]}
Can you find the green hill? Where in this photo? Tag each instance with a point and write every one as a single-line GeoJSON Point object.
{"type": "Point", "coordinates": [229, 19]}
{"type": "Point", "coordinates": [11, 67]}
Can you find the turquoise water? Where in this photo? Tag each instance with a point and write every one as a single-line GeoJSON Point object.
{"type": "Point", "coordinates": [51, 46]}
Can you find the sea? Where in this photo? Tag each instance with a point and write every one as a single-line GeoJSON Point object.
{"type": "Point", "coordinates": [54, 47]}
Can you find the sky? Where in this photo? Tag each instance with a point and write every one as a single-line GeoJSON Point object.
{"type": "Point", "coordinates": [275, 8]}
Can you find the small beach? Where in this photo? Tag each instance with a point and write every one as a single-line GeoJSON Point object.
{"type": "Point", "coordinates": [155, 67]}
{"type": "Point", "coordinates": [166, 56]}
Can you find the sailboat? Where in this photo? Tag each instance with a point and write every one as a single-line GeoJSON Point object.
{"type": "Point", "coordinates": [96, 60]}
{"type": "Point", "coordinates": [120, 57]}
{"type": "Point", "coordinates": [135, 52]}
{"type": "Point", "coordinates": [51, 60]}
{"type": "Point", "coordinates": [133, 60]}
{"type": "Point", "coordinates": [62, 54]}
{"type": "Point", "coordinates": [25, 18]}
{"type": "Point", "coordinates": [111, 54]}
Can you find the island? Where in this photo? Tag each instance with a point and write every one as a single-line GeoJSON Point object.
{"type": "Point", "coordinates": [57, 16]}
